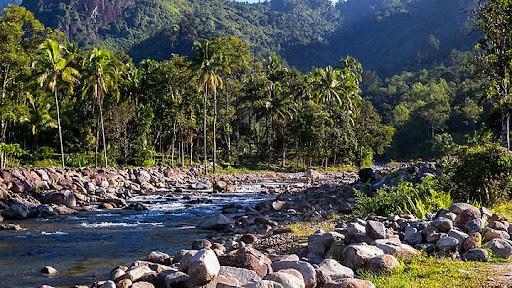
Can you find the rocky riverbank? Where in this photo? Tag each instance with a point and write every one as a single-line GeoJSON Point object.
{"type": "Point", "coordinates": [29, 193]}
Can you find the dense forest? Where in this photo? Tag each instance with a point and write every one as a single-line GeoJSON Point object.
{"type": "Point", "coordinates": [386, 36]}
{"type": "Point", "coordinates": [230, 101]}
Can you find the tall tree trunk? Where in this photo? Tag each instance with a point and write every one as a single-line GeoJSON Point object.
{"type": "Point", "coordinates": [191, 152]}
{"type": "Point", "coordinates": [173, 143]}
{"type": "Point", "coordinates": [3, 125]}
{"type": "Point", "coordinates": [284, 148]}
{"type": "Point", "coordinates": [103, 134]}
{"type": "Point", "coordinates": [205, 160]}
{"type": "Point", "coordinates": [505, 128]}
{"type": "Point", "coordinates": [60, 128]}
{"type": "Point", "coordinates": [214, 130]}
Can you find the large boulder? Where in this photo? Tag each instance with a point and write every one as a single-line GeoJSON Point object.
{"type": "Point", "coordinates": [247, 261]}
{"type": "Point", "coordinates": [142, 176]}
{"type": "Point", "coordinates": [355, 256]}
{"type": "Point", "coordinates": [375, 229]}
{"type": "Point", "coordinates": [174, 278]}
{"type": "Point", "coordinates": [217, 222]}
{"type": "Point", "coordinates": [285, 279]}
{"type": "Point", "coordinates": [500, 247]}
{"type": "Point", "coordinates": [66, 198]}
{"type": "Point", "coordinates": [399, 250]}
{"type": "Point", "coordinates": [203, 267]}
{"type": "Point", "coordinates": [381, 263]}
{"type": "Point", "coordinates": [443, 224]}
{"type": "Point", "coordinates": [447, 244]}
{"type": "Point", "coordinates": [476, 254]}
{"type": "Point", "coordinates": [135, 273]}
{"type": "Point", "coordinates": [334, 270]}
{"type": "Point", "coordinates": [307, 270]}
{"type": "Point", "coordinates": [321, 241]}
{"type": "Point", "coordinates": [16, 211]}
{"type": "Point", "coordinates": [244, 276]}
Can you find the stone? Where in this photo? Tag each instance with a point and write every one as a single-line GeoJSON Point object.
{"type": "Point", "coordinates": [350, 283]}
{"type": "Point", "coordinates": [447, 244]}
{"type": "Point", "coordinates": [476, 254]}
{"type": "Point", "coordinates": [220, 186]}
{"type": "Point", "coordinates": [500, 247]}
{"type": "Point", "coordinates": [459, 235]}
{"type": "Point", "coordinates": [116, 273]}
{"type": "Point", "coordinates": [486, 213]}
{"type": "Point", "coordinates": [458, 208]}
{"type": "Point", "coordinates": [225, 282]}
{"type": "Point", "coordinates": [153, 266]}
{"type": "Point", "coordinates": [412, 236]}
{"type": "Point", "coordinates": [174, 278]}
{"type": "Point", "coordinates": [433, 237]}
{"type": "Point", "coordinates": [159, 257]}
{"type": "Point", "coordinates": [312, 174]}
{"type": "Point", "coordinates": [244, 276]}
{"type": "Point", "coordinates": [263, 284]}
{"type": "Point", "coordinates": [135, 273]}
{"type": "Point", "coordinates": [142, 284]}
{"type": "Point", "coordinates": [490, 234]}
{"type": "Point", "coordinates": [142, 176]}
{"type": "Point", "coordinates": [443, 224]}
{"type": "Point", "coordinates": [279, 205]}
{"type": "Point", "coordinates": [106, 206]}
{"type": "Point", "coordinates": [50, 271]}
{"type": "Point", "coordinates": [381, 263]}
{"type": "Point", "coordinates": [249, 238]}
{"type": "Point", "coordinates": [108, 284]}
{"type": "Point", "coordinates": [66, 198]}
{"type": "Point", "coordinates": [13, 227]}
{"type": "Point", "coordinates": [217, 222]}
{"type": "Point", "coordinates": [355, 256]}
{"type": "Point", "coordinates": [199, 244]}
{"type": "Point", "coordinates": [375, 229]}
{"type": "Point", "coordinates": [399, 250]}
{"type": "Point", "coordinates": [203, 267]}
{"type": "Point", "coordinates": [320, 242]}
{"type": "Point", "coordinates": [307, 270]}
{"type": "Point", "coordinates": [473, 225]}
{"type": "Point", "coordinates": [426, 247]}
{"type": "Point", "coordinates": [473, 241]}
{"type": "Point", "coordinates": [18, 187]}
{"type": "Point", "coordinates": [16, 211]}
{"type": "Point", "coordinates": [125, 283]}
{"type": "Point", "coordinates": [334, 270]}
{"type": "Point", "coordinates": [285, 279]}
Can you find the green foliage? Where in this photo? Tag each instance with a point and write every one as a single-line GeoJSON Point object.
{"type": "Point", "coordinates": [481, 173]}
{"type": "Point", "coordinates": [407, 197]}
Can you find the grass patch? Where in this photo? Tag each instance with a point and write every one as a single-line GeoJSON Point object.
{"type": "Point", "coordinates": [304, 229]}
{"type": "Point", "coordinates": [430, 272]}
{"type": "Point", "coordinates": [504, 210]}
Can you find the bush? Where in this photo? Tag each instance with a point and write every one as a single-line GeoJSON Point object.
{"type": "Point", "coordinates": [407, 197]}
{"type": "Point", "coordinates": [481, 173]}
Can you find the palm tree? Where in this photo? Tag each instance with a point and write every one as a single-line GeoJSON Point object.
{"type": "Point", "coordinates": [209, 61]}
{"type": "Point", "coordinates": [40, 118]}
{"type": "Point", "coordinates": [54, 69]}
{"type": "Point", "coordinates": [101, 76]}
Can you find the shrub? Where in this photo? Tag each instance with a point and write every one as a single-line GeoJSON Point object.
{"type": "Point", "coordinates": [481, 173]}
{"type": "Point", "coordinates": [407, 197]}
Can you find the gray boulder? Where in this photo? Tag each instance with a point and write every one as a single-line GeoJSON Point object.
{"type": "Point", "coordinates": [381, 263]}
{"type": "Point", "coordinates": [443, 224]}
{"type": "Point", "coordinates": [447, 244]}
{"type": "Point", "coordinates": [203, 267]}
{"type": "Point", "coordinates": [399, 250]}
{"type": "Point", "coordinates": [285, 279]}
{"type": "Point", "coordinates": [476, 254]}
{"type": "Point", "coordinates": [307, 270]}
{"type": "Point", "coordinates": [217, 222]}
{"type": "Point", "coordinates": [355, 256]}
{"type": "Point", "coordinates": [244, 276]}
{"type": "Point", "coordinates": [500, 247]}
{"type": "Point", "coordinates": [263, 284]}
{"type": "Point", "coordinates": [334, 270]}
{"type": "Point", "coordinates": [375, 229]}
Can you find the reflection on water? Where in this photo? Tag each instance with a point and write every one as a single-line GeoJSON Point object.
{"type": "Point", "coordinates": [86, 247]}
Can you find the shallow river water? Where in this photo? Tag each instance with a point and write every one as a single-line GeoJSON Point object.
{"type": "Point", "coordinates": [86, 246]}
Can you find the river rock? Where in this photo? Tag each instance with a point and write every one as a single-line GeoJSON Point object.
{"type": "Point", "coordinates": [399, 250]}
{"type": "Point", "coordinates": [474, 225]}
{"type": "Point", "coordinates": [320, 242]}
{"type": "Point", "coordinates": [217, 222]}
{"type": "Point", "coordinates": [447, 244]}
{"type": "Point", "coordinates": [159, 257]}
{"type": "Point", "coordinates": [125, 283]}
{"type": "Point", "coordinates": [116, 273]}
{"type": "Point", "coordinates": [375, 229]}
{"type": "Point", "coordinates": [18, 187]}
{"type": "Point", "coordinates": [312, 174]}
{"type": "Point", "coordinates": [381, 263]}
{"type": "Point", "coordinates": [50, 271]}
{"type": "Point", "coordinates": [490, 234]}
{"type": "Point", "coordinates": [307, 270]}
{"type": "Point", "coordinates": [16, 211]}
{"type": "Point", "coordinates": [135, 273]}
{"type": "Point", "coordinates": [244, 276]}
{"type": "Point", "coordinates": [476, 254]}
{"type": "Point", "coordinates": [443, 224]}
{"type": "Point", "coordinates": [66, 198]}
{"type": "Point", "coordinates": [199, 244]}
{"type": "Point", "coordinates": [263, 284]}
{"type": "Point", "coordinates": [459, 235]}
{"type": "Point", "coordinates": [13, 227]}
{"type": "Point", "coordinates": [473, 241]}
{"type": "Point", "coordinates": [203, 267]}
{"type": "Point", "coordinates": [249, 238]}
{"type": "Point", "coordinates": [500, 247]}
{"type": "Point", "coordinates": [334, 270]}
{"type": "Point", "coordinates": [458, 208]}
{"type": "Point", "coordinates": [108, 284]}
{"type": "Point", "coordinates": [285, 279]}
{"type": "Point", "coordinates": [412, 236]}
{"type": "Point", "coordinates": [350, 283]}
{"type": "Point", "coordinates": [174, 278]}
{"type": "Point", "coordinates": [142, 284]}
{"type": "Point", "coordinates": [355, 256]}
{"type": "Point", "coordinates": [142, 177]}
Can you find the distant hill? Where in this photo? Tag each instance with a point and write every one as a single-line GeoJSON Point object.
{"type": "Point", "coordinates": [386, 36]}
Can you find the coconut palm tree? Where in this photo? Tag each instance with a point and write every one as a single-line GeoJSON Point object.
{"type": "Point", "coordinates": [209, 61]}
{"type": "Point", "coordinates": [100, 77]}
{"type": "Point", "coordinates": [54, 69]}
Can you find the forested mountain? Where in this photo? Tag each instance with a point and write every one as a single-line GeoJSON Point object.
{"type": "Point", "coordinates": [386, 36]}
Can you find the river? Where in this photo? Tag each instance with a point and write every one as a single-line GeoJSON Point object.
{"type": "Point", "coordinates": [86, 246]}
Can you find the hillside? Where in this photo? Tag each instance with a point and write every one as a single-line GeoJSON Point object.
{"type": "Point", "coordinates": [386, 36]}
